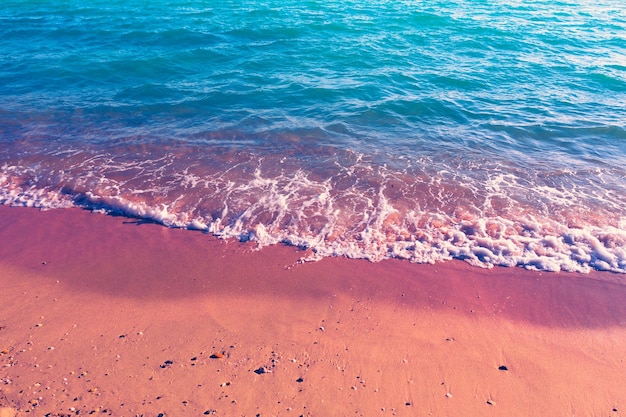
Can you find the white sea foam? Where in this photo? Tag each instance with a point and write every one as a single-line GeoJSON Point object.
{"type": "Point", "coordinates": [375, 216]}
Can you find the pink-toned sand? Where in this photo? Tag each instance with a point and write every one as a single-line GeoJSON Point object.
{"type": "Point", "coordinates": [103, 315]}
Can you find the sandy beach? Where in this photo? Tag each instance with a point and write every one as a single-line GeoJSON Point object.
{"type": "Point", "coordinates": [105, 315]}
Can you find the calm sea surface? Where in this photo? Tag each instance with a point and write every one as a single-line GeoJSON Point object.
{"type": "Point", "coordinates": [489, 131]}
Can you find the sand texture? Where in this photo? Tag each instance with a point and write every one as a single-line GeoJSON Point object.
{"type": "Point", "coordinates": [104, 315]}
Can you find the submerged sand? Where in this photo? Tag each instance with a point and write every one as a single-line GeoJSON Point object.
{"type": "Point", "coordinates": [108, 315]}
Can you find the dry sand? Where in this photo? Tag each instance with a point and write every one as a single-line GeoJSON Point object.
{"type": "Point", "coordinates": [104, 315]}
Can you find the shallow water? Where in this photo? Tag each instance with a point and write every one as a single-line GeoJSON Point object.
{"type": "Point", "coordinates": [487, 131]}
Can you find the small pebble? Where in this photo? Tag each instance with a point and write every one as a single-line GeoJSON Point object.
{"type": "Point", "coordinates": [166, 364]}
{"type": "Point", "coordinates": [262, 370]}
{"type": "Point", "coordinates": [503, 368]}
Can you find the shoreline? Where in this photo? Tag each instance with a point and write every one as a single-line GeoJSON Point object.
{"type": "Point", "coordinates": [110, 315]}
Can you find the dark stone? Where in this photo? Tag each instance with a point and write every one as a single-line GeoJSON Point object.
{"type": "Point", "coordinates": [260, 371]}
{"type": "Point", "coordinates": [300, 380]}
{"type": "Point", "coordinates": [166, 364]}
{"type": "Point", "coordinates": [503, 368]}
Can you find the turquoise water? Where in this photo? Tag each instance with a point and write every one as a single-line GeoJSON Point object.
{"type": "Point", "coordinates": [493, 132]}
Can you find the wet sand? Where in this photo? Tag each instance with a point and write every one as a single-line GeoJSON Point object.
{"type": "Point", "coordinates": [104, 315]}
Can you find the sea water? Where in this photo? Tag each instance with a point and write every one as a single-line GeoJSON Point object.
{"type": "Point", "coordinates": [488, 131]}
